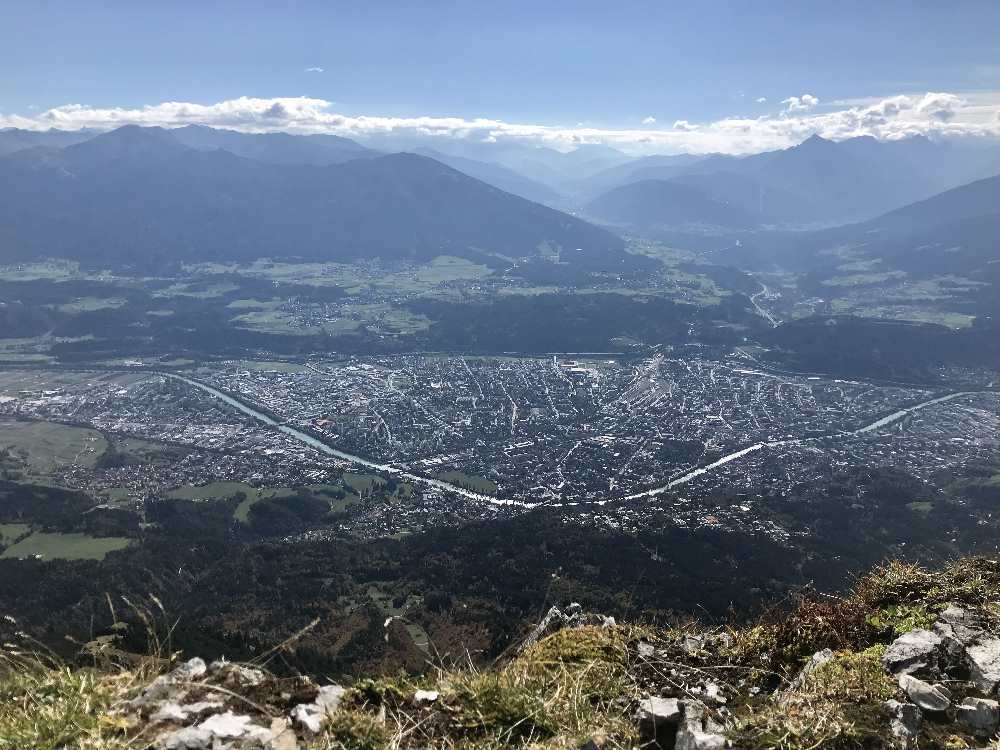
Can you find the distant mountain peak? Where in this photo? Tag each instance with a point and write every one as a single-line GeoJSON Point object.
{"type": "Point", "coordinates": [127, 143]}
{"type": "Point", "coordinates": [134, 134]}
{"type": "Point", "coordinates": [816, 141]}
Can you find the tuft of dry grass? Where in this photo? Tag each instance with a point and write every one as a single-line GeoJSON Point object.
{"type": "Point", "coordinates": [566, 688]}
{"type": "Point", "coordinates": [42, 708]}
{"type": "Point", "coordinates": [48, 704]}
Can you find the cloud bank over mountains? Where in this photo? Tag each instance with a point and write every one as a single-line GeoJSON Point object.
{"type": "Point", "coordinates": [803, 115]}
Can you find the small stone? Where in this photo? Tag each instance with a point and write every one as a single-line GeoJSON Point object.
{"type": "Point", "coordinates": [980, 715]}
{"type": "Point", "coordinates": [906, 720]}
{"type": "Point", "coordinates": [646, 650]}
{"type": "Point", "coordinates": [926, 696]}
{"type": "Point", "coordinates": [958, 623]}
{"type": "Point", "coordinates": [695, 739]}
{"type": "Point", "coordinates": [692, 644]}
{"type": "Point", "coordinates": [312, 717]}
{"type": "Point", "coordinates": [820, 657]}
{"type": "Point", "coordinates": [984, 664]}
{"type": "Point", "coordinates": [308, 718]}
{"type": "Point", "coordinates": [714, 693]}
{"type": "Point", "coordinates": [179, 713]}
{"type": "Point", "coordinates": [234, 676]}
{"type": "Point", "coordinates": [329, 697]}
{"type": "Point", "coordinates": [282, 736]}
{"type": "Point", "coordinates": [422, 697]}
{"type": "Point", "coordinates": [214, 732]}
{"type": "Point", "coordinates": [913, 652]}
{"type": "Point", "coordinates": [697, 731]}
{"type": "Point", "coordinates": [657, 720]}
{"type": "Point", "coordinates": [555, 619]}
{"type": "Point", "coordinates": [170, 685]}
{"type": "Point", "coordinates": [189, 670]}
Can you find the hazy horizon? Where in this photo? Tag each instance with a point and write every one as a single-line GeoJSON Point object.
{"type": "Point", "coordinates": [643, 78]}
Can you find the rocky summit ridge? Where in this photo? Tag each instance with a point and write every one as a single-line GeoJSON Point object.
{"type": "Point", "coordinates": [909, 658]}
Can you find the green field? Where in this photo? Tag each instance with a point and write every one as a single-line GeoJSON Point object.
{"type": "Point", "coordinates": [227, 490]}
{"type": "Point", "coordinates": [424, 278]}
{"type": "Point", "coordinates": [147, 451]}
{"type": "Point", "coordinates": [9, 532]}
{"type": "Point", "coordinates": [865, 279]}
{"type": "Point", "coordinates": [89, 304]}
{"type": "Point", "coordinates": [277, 321]}
{"type": "Point", "coordinates": [46, 447]}
{"type": "Point", "coordinates": [196, 290]}
{"type": "Point", "coordinates": [65, 547]}
{"type": "Point", "coordinates": [58, 270]}
{"type": "Point", "coordinates": [449, 268]}
{"type": "Point", "coordinates": [361, 483]}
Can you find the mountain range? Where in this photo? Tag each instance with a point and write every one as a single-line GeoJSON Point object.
{"type": "Point", "coordinates": [199, 192]}
{"type": "Point", "coordinates": [16, 139]}
{"type": "Point", "coordinates": [814, 183]}
{"type": "Point", "coordinates": [143, 193]}
{"type": "Point", "coordinates": [951, 238]}
{"type": "Point", "coordinates": [648, 204]}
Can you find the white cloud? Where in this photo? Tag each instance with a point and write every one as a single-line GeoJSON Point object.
{"type": "Point", "coordinates": [888, 118]}
{"type": "Point", "coordinates": [314, 69]}
{"type": "Point", "coordinates": [800, 103]}
{"type": "Point", "coordinates": [761, 100]}
{"type": "Point", "coordinates": [649, 120]}
{"type": "Point", "coordinates": [941, 107]}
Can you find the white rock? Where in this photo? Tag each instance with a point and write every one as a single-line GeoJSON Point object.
{"type": "Point", "coordinates": [189, 670]}
{"type": "Point", "coordinates": [170, 685]}
{"type": "Point", "coordinates": [657, 720]}
{"type": "Point", "coordinates": [915, 651]}
{"type": "Point", "coordinates": [692, 644]}
{"type": "Point", "coordinates": [181, 712]}
{"type": "Point", "coordinates": [984, 664]}
{"type": "Point", "coordinates": [820, 657]}
{"type": "Point", "coordinates": [235, 675]}
{"type": "Point", "coordinates": [421, 697]}
{"type": "Point", "coordinates": [214, 732]}
{"type": "Point", "coordinates": [329, 697]}
{"type": "Point", "coordinates": [926, 696]}
{"type": "Point", "coordinates": [906, 720]}
{"type": "Point", "coordinates": [958, 624]}
{"type": "Point", "coordinates": [660, 709]}
{"type": "Point", "coordinates": [696, 731]}
{"type": "Point", "coordinates": [312, 717]}
{"type": "Point", "coordinates": [282, 736]}
{"type": "Point", "coordinates": [308, 717]}
{"type": "Point", "coordinates": [689, 738]}
{"type": "Point", "coordinates": [714, 693]}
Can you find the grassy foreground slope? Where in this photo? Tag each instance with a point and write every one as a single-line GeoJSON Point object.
{"type": "Point", "coordinates": [586, 684]}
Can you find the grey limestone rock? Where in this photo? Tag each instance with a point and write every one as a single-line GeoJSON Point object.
{"type": "Point", "coordinates": [925, 695]}
{"type": "Point", "coordinates": [980, 715]}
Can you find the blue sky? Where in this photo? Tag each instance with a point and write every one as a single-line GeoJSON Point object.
{"type": "Point", "coordinates": [602, 65]}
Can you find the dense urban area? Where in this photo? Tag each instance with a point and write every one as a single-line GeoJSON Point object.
{"type": "Point", "coordinates": [464, 437]}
